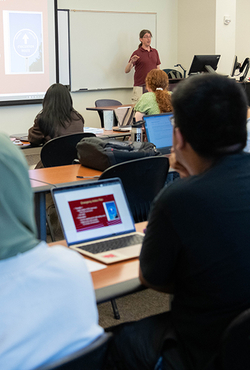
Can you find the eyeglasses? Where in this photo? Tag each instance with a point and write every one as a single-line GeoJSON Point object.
{"type": "Point", "coordinates": [147, 37]}
{"type": "Point", "coordinates": [172, 121]}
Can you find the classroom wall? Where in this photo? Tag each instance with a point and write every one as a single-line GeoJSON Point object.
{"type": "Point", "coordinates": [17, 119]}
{"type": "Point", "coordinates": [201, 30]}
{"type": "Point", "coordinates": [225, 34]}
{"type": "Point", "coordinates": [196, 29]}
{"type": "Point", "coordinates": [242, 39]}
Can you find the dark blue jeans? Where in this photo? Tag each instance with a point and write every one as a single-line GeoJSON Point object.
{"type": "Point", "coordinates": [150, 343]}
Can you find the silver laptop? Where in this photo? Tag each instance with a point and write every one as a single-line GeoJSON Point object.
{"type": "Point", "coordinates": [96, 220]}
{"type": "Point", "coordinates": [159, 131]}
{"type": "Point", "coordinates": [124, 116]}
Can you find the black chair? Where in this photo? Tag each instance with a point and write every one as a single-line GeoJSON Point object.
{"type": "Point", "coordinates": [92, 357]}
{"type": "Point", "coordinates": [142, 180]}
{"type": "Point", "coordinates": [106, 103]}
{"type": "Point", "coordinates": [234, 350]}
{"type": "Point", "coordinates": [61, 150]}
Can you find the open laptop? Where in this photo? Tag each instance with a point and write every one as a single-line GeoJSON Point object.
{"type": "Point", "coordinates": [96, 220]}
{"type": "Point", "coordinates": [159, 131]}
{"type": "Point", "coordinates": [124, 116]}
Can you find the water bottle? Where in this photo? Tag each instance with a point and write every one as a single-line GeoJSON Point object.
{"type": "Point", "coordinates": [136, 132]}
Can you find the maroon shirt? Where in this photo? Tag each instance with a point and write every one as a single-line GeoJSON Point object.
{"type": "Point", "coordinates": [148, 60]}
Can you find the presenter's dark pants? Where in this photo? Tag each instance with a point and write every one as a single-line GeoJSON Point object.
{"type": "Point", "coordinates": [150, 343]}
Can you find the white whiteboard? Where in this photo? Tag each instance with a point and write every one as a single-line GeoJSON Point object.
{"type": "Point", "coordinates": [101, 44]}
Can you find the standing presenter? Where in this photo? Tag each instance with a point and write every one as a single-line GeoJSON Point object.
{"type": "Point", "coordinates": [143, 59]}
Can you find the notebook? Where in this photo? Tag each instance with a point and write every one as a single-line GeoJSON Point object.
{"type": "Point", "coordinates": [159, 131]}
{"type": "Point", "coordinates": [96, 214]}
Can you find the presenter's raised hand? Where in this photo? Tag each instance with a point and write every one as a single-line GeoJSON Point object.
{"type": "Point", "coordinates": [134, 59]}
{"type": "Point", "coordinates": [130, 64]}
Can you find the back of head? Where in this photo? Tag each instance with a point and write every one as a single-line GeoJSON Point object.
{"type": "Point", "coordinates": [57, 108]}
{"type": "Point", "coordinates": [17, 224]}
{"type": "Point", "coordinates": [57, 96]}
{"type": "Point", "coordinates": [210, 111]}
{"type": "Point", "coordinates": [157, 78]}
{"type": "Point", "coordinates": [157, 81]}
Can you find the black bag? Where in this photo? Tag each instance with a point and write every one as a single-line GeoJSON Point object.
{"type": "Point", "coordinates": [100, 154]}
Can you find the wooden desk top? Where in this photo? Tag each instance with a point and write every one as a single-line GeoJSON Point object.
{"type": "Point", "coordinates": [61, 174]}
{"type": "Point", "coordinates": [111, 107]}
{"type": "Point", "coordinates": [115, 273]}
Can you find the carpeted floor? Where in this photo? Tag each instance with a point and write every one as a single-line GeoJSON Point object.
{"type": "Point", "coordinates": [134, 307]}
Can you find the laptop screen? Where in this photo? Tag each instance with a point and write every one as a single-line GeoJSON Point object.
{"type": "Point", "coordinates": [93, 210]}
{"type": "Point", "coordinates": [159, 130]}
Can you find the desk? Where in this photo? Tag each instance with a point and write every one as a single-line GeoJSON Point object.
{"type": "Point", "coordinates": [110, 107]}
{"type": "Point", "coordinates": [118, 279]}
{"type": "Point", "coordinates": [42, 180]}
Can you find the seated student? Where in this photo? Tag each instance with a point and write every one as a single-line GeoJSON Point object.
{"type": "Point", "coordinates": [197, 239]}
{"type": "Point", "coordinates": [157, 99]}
{"type": "Point", "coordinates": [48, 308]}
{"type": "Point", "coordinates": [57, 118]}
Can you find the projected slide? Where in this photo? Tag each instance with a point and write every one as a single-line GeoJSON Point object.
{"type": "Point", "coordinates": [27, 49]}
{"type": "Point", "coordinates": [23, 46]}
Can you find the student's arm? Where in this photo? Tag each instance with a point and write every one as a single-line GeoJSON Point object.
{"type": "Point", "coordinates": [161, 247]}
{"type": "Point", "coordinates": [35, 136]}
{"type": "Point", "coordinates": [169, 288]}
{"type": "Point", "coordinates": [138, 116]}
{"type": "Point", "coordinates": [130, 64]}
{"type": "Point", "coordinates": [158, 66]}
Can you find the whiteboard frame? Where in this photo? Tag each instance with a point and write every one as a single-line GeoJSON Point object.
{"type": "Point", "coordinates": [67, 47]}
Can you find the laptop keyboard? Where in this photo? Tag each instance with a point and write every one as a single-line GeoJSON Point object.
{"type": "Point", "coordinates": [108, 245]}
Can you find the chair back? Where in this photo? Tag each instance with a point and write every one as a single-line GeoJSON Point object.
{"type": "Point", "coordinates": [92, 357]}
{"type": "Point", "coordinates": [142, 180]}
{"type": "Point", "coordinates": [234, 348]}
{"type": "Point", "coordinates": [106, 103]}
{"type": "Point", "coordinates": [61, 150]}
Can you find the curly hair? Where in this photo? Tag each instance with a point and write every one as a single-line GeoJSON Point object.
{"type": "Point", "coordinates": [157, 81]}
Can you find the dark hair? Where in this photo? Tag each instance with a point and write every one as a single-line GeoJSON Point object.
{"type": "Point", "coordinates": [141, 34]}
{"type": "Point", "coordinates": [211, 112]}
{"type": "Point", "coordinates": [157, 78]}
{"type": "Point", "coordinates": [57, 110]}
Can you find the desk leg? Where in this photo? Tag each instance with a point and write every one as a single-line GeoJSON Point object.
{"type": "Point", "coordinates": [40, 215]}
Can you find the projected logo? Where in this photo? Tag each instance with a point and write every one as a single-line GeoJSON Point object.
{"type": "Point", "coordinates": [25, 43]}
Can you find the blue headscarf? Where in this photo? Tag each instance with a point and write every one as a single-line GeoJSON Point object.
{"type": "Point", "coordinates": [17, 223]}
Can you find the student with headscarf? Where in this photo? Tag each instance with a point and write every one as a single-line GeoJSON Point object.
{"type": "Point", "coordinates": [47, 301]}
{"type": "Point", "coordinates": [157, 99]}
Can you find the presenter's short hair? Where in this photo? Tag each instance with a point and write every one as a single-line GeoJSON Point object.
{"type": "Point", "coordinates": [211, 112]}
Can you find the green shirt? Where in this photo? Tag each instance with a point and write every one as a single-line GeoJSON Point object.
{"type": "Point", "coordinates": [147, 104]}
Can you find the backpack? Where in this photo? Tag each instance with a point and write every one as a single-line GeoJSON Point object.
{"type": "Point", "coordinates": [100, 154]}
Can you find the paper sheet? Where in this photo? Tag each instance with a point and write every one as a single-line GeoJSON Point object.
{"type": "Point", "coordinates": [94, 266]}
